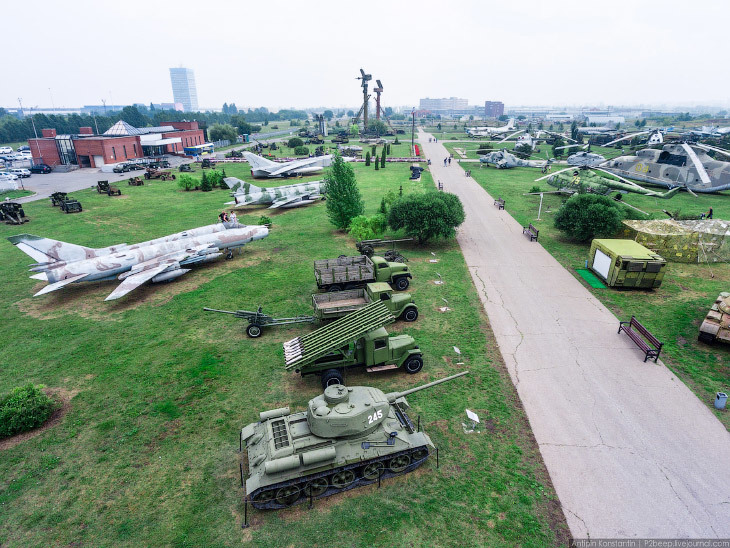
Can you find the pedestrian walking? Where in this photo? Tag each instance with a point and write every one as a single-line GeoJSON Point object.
{"type": "Point", "coordinates": [444, 162]}
{"type": "Point", "coordinates": [709, 214]}
{"type": "Point", "coordinates": [449, 160]}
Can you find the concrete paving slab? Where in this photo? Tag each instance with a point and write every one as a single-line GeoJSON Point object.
{"type": "Point", "coordinates": [630, 449]}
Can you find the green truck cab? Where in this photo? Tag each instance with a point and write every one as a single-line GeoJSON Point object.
{"type": "Point", "coordinates": [358, 339]}
{"type": "Point", "coordinates": [351, 272]}
{"type": "Point", "coordinates": [329, 306]}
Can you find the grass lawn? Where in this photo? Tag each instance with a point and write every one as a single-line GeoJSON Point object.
{"type": "Point", "coordinates": [672, 312]}
{"type": "Point", "coordinates": [146, 454]}
{"type": "Point", "coordinates": [15, 144]}
{"type": "Point", "coordinates": [15, 194]}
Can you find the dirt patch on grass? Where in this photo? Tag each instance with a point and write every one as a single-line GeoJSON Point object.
{"type": "Point", "coordinates": [87, 298]}
{"type": "Point", "coordinates": [63, 397]}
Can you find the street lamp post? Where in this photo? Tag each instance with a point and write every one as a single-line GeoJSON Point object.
{"type": "Point", "coordinates": [413, 130]}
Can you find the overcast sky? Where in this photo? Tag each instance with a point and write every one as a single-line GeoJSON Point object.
{"type": "Point", "coordinates": [282, 53]}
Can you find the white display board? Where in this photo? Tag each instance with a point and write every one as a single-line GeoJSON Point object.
{"type": "Point", "coordinates": [601, 263]}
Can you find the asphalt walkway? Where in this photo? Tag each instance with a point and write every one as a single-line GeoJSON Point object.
{"type": "Point", "coordinates": [630, 449]}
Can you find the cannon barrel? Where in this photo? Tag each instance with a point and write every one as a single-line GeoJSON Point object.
{"type": "Point", "coordinates": [395, 395]}
{"type": "Point", "coordinates": [221, 311]}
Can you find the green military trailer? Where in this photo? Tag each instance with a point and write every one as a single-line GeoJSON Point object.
{"type": "Point", "coordinates": [626, 263]}
{"type": "Point", "coordinates": [333, 305]}
{"type": "Point", "coordinates": [356, 340]}
{"type": "Point", "coordinates": [350, 272]}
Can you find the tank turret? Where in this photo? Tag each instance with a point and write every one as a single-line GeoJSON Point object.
{"type": "Point", "coordinates": [716, 325]}
{"type": "Point", "coordinates": [347, 437]}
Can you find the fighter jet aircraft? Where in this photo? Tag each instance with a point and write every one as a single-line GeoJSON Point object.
{"type": "Point", "coordinates": [160, 260]}
{"type": "Point", "coordinates": [261, 167]}
{"type": "Point", "coordinates": [502, 159]}
{"type": "Point", "coordinates": [488, 131]}
{"type": "Point", "coordinates": [279, 196]}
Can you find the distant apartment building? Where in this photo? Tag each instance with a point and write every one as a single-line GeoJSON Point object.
{"type": "Point", "coordinates": [493, 109]}
{"type": "Point", "coordinates": [446, 104]}
{"type": "Point", "coordinates": [183, 88]}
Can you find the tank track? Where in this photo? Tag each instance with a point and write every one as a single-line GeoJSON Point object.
{"type": "Point", "coordinates": [267, 495]}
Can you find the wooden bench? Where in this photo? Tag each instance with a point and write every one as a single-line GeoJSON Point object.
{"type": "Point", "coordinates": [499, 202]}
{"type": "Point", "coordinates": [531, 231]}
{"type": "Point", "coordinates": [643, 339]}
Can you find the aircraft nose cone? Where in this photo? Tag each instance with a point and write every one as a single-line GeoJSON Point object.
{"type": "Point", "coordinates": [261, 233]}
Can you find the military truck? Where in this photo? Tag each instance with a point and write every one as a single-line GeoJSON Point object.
{"type": "Point", "coordinates": [351, 272]}
{"type": "Point", "coordinates": [356, 340]}
{"type": "Point", "coordinates": [626, 263]}
{"type": "Point", "coordinates": [348, 437]}
{"type": "Point", "coordinates": [716, 325]}
{"type": "Point", "coordinates": [329, 306]}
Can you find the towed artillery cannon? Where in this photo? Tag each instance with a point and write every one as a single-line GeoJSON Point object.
{"type": "Point", "coordinates": [57, 198]}
{"type": "Point", "coordinates": [258, 320]}
{"type": "Point", "coordinates": [153, 173]}
{"type": "Point", "coordinates": [135, 181]}
{"type": "Point", "coordinates": [12, 213]}
{"type": "Point", "coordinates": [348, 437]}
{"type": "Point", "coordinates": [103, 187]}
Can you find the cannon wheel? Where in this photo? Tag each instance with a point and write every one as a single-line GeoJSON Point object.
{"type": "Point", "coordinates": [254, 330]}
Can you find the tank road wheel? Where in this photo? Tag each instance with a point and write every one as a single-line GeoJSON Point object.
{"type": "Point", "coordinates": [253, 330]}
{"type": "Point", "coordinates": [373, 470]}
{"type": "Point", "coordinates": [343, 478]}
{"type": "Point", "coordinates": [420, 454]}
{"type": "Point", "coordinates": [330, 377]}
{"type": "Point", "coordinates": [287, 495]}
{"type": "Point", "coordinates": [317, 487]}
{"type": "Point", "coordinates": [402, 283]}
{"type": "Point", "coordinates": [263, 497]}
{"type": "Point", "coordinates": [399, 463]}
{"type": "Point", "coordinates": [334, 288]}
{"type": "Point", "coordinates": [413, 364]}
{"type": "Point", "coordinates": [410, 315]}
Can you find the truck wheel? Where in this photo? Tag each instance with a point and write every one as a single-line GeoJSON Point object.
{"type": "Point", "coordinates": [413, 364]}
{"type": "Point", "coordinates": [410, 314]}
{"type": "Point", "coordinates": [402, 283]}
{"type": "Point", "coordinates": [331, 377]}
{"type": "Point", "coordinates": [253, 330]}
{"type": "Point", "coordinates": [334, 288]}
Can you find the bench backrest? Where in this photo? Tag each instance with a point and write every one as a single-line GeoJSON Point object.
{"type": "Point", "coordinates": [634, 323]}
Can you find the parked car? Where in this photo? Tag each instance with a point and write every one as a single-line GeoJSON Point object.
{"type": "Point", "coordinates": [20, 172]}
{"type": "Point", "coordinates": [24, 148]}
{"type": "Point", "coordinates": [120, 168]}
{"type": "Point", "coordinates": [25, 154]}
{"type": "Point", "coordinates": [6, 150]}
{"type": "Point", "coordinates": [6, 176]}
{"type": "Point", "coordinates": [40, 168]}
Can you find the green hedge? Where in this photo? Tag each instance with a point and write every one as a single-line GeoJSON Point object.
{"type": "Point", "coordinates": [24, 408]}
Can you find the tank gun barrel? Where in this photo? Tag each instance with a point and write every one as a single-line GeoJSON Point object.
{"type": "Point", "coordinates": [395, 395]}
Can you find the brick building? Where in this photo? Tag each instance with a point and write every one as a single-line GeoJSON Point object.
{"type": "Point", "coordinates": [119, 143]}
{"type": "Point", "coordinates": [493, 109]}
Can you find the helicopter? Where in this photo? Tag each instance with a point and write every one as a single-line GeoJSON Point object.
{"type": "Point", "coordinates": [503, 159]}
{"type": "Point", "coordinates": [584, 179]}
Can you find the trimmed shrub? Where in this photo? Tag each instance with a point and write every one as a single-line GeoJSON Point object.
{"type": "Point", "coordinates": [367, 228]}
{"type": "Point", "coordinates": [24, 408]}
{"type": "Point", "coordinates": [215, 178]}
{"type": "Point", "coordinates": [294, 142]}
{"type": "Point", "coordinates": [301, 151]}
{"type": "Point", "coordinates": [586, 216]}
{"type": "Point", "coordinates": [264, 220]}
{"type": "Point", "coordinates": [427, 215]}
{"type": "Point", "coordinates": [367, 159]}
{"type": "Point", "coordinates": [205, 184]}
{"type": "Point", "coordinates": [187, 182]}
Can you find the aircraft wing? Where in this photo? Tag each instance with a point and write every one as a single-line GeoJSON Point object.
{"type": "Point", "coordinates": [290, 201]}
{"type": "Point", "coordinates": [59, 285]}
{"type": "Point", "coordinates": [135, 280]}
{"type": "Point", "coordinates": [289, 166]}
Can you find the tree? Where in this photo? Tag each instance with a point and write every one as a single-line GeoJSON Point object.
{"type": "Point", "coordinates": [585, 216]}
{"type": "Point", "coordinates": [427, 215]}
{"type": "Point", "coordinates": [295, 142]}
{"type": "Point", "coordinates": [224, 110]}
{"type": "Point", "coordinates": [382, 158]}
{"type": "Point", "coordinates": [350, 113]}
{"type": "Point", "coordinates": [219, 132]}
{"type": "Point", "coordinates": [574, 134]}
{"type": "Point", "coordinates": [503, 118]}
{"type": "Point", "coordinates": [328, 114]}
{"type": "Point", "coordinates": [205, 184]}
{"type": "Point", "coordinates": [367, 228]}
{"type": "Point", "coordinates": [344, 201]}
{"type": "Point", "coordinates": [377, 164]}
{"type": "Point", "coordinates": [132, 116]}
{"type": "Point", "coordinates": [367, 159]}
{"type": "Point", "coordinates": [558, 142]}
{"type": "Point", "coordinates": [187, 182]}
{"type": "Point", "coordinates": [389, 111]}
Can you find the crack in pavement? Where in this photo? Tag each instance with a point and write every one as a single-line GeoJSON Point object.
{"type": "Point", "coordinates": [588, 534]}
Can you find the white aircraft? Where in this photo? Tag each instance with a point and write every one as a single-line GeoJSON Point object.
{"type": "Point", "coordinates": [261, 167]}
{"type": "Point", "coordinates": [158, 260]}
{"type": "Point", "coordinates": [279, 196]}
{"type": "Point", "coordinates": [488, 131]}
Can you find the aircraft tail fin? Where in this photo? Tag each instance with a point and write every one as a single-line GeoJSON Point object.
{"type": "Point", "coordinates": [511, 123]}
{"type": "Point", "coordinates": [257, 162]}
{"type": "Point", "coordinates": [239, 186]}
{"type": "Point", "coordinates": [46, 250]}
{"type": "Point", "coordinates": [669, 193]}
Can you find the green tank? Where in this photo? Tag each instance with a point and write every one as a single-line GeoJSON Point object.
{"type": "Point", "coordinates": [348, 437]}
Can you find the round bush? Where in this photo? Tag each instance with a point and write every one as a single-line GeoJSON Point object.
{"type": "Point", "coordinates": [294, 142]}
{"type": "Point", "coordinates": [585, 216]}
{"type": "Point", "coordinates": [301, 151]}
{"type": "Point", "coordinates": [24, 408]}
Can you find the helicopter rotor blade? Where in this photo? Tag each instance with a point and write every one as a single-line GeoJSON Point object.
{"type": "Point", "coordinates": [620, 178]}
{"type": "Point", "coordinates": [715, 149]}
{"type": "Point", "coordinates": [555, 173]}
{"type": "Point", "coordinates": [631, 136]}
{"type": "Point", "coordinates": [704, 177]}
{"type": "Point", "coordinates": [508, 136]}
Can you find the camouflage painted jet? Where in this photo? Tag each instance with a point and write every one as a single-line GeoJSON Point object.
{"type": "Point", "coordinates": [502, 159]}
{"type": "Point", "coordinates": [592, 182]}
{"type": "Point", "coordinates": [279, 196]}
{"type": "Point", "coordinates": [159, 260]}
{"type": "Point", "coordinates": [263, 168]}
